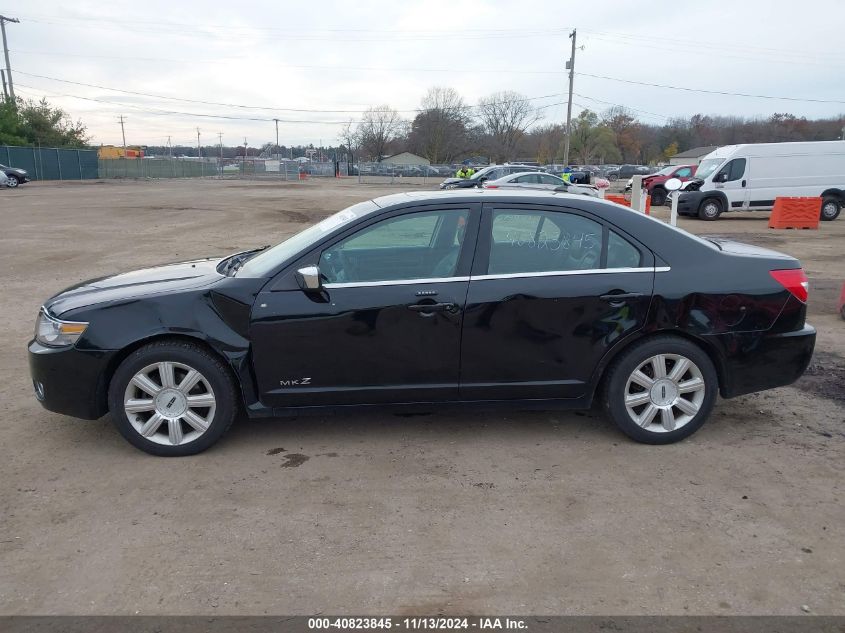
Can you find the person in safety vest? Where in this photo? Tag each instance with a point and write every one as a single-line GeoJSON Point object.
{"type": "Point", "coordinates": [460, 173]}
{"type": "Point", "coordinates": [469, 171]}
{"type": "Point", "coordinates": [567, 174]}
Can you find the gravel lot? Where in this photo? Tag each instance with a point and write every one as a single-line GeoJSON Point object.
{"type": "Point", "coordinates": [523, 513]}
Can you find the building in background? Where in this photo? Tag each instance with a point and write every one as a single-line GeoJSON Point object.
{"type": "Point", "coordinates": [405, 158]}
{"type": "Point", "coordinates": [692, 156]}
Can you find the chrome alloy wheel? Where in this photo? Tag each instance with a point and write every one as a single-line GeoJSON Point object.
{"type": "Point", "coordinates": [664, 393]}
{"type": "Point", "coordinates": [169, 403]}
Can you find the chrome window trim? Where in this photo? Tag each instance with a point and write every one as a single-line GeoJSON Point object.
{"type": "Point", "coordinates": [545, 273]}
{"type": "Point", "coordinates": [563, 273]}
{"type": "Point", "coordinates": [394, 282]}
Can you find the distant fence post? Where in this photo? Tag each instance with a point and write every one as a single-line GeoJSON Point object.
{"type": "Point", "coordinates": [79, 163]}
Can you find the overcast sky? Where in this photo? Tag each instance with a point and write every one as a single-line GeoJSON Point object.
{"type": "Point", "coordinates": [278, 57]}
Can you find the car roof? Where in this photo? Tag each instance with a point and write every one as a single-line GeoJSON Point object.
{"type": "Point", "coordinates": [525, 173]}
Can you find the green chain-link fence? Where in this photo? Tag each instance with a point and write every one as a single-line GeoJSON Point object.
{"type": "Point", "coordinates": [51, 163]}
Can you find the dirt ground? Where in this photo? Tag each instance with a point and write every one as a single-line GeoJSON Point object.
{"type": "Point", "coordinates": [471, 513]}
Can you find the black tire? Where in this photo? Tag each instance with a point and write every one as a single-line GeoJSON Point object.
{"type": "Point", "coordinates": [830, 208]}
{"type": "Point", "coordinates": [710, 209]}
{"type": "Point", "coordinates": [14, 181]}
{"type": "Point", "coordinates": [619, 372]}
{"type": "Point", "coordinates": [612, 177]}
{"type": "Point", "coordinates": [658, 196]}
{"type": "Point", "coordinates": [195, 356]}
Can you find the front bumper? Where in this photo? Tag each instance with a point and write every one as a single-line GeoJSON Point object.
{"type": "Point", "coordinates": [70, 381]}
{"type": "Point", "coordinates": [755, 363]}
{"type": "Point", "coordinates": [689, 201]}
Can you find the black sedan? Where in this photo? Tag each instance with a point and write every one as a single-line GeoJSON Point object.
{"type": "Point", "coordinates": [14, 175]}
{"type": "Point", "coordinates": [416, 300]}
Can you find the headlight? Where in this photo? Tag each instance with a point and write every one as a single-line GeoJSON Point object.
{"type": "Point", "coordinates": [55, 333]}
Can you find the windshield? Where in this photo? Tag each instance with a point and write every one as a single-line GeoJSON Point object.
{"type": "Point", "coordinates": [266, 261]}
{"type": "Point", "coordinates": [707, 167]}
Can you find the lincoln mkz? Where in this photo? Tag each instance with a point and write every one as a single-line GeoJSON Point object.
{"type": "Point", "coordinates": [419, 300]}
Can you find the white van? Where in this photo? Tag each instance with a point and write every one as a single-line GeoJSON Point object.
{"type": "Point", "coordinates": [750, 177]}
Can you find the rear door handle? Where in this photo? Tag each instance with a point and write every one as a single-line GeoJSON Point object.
{"type": "Point", "coordinates": [429, 308]}
{"type": "Point", "coordinates": [618, 298]}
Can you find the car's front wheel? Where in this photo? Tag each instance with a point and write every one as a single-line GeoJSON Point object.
{"type": "Point", "coordinates": [661, 390]}
{"type": "Point", "coordinates": [13, 181]}
{"type": "Point", "coordinates": [710, 209]}
{"type": "Point", "coordinates": [658, 196]}
{"type": "Point", "coordinates": [830, 209]}
{"type": "Point", "coordinates": [172, 398]}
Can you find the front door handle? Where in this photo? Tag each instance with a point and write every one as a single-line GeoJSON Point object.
{"type": "Point", "coordinates": [617, 299]}
{"type": "Point", "coordinates": [427, 309]}
{"type": "Point", "coordinates": [743, 183]}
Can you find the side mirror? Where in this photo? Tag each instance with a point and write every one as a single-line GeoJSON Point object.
{"type": "Point", "coordinates": [721, 177]}
{"type": "Point", "coordinates": [309, 278]}
{"type": "Point", "coordinates": [673, 184]}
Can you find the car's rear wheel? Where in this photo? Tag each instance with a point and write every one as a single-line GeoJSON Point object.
{"type": "Point", "coordinates": [661, 390]}
{"type": "Point", "coordinates": [172, 398]}
{"type": "Point", "coordinates": [658, 196]}
{"type": "Point", "coordinates": [13, 181]}
{"type": "Point", "coordinates": [710, 209]}
{"type": "Point", "coordinates": [830, 209]}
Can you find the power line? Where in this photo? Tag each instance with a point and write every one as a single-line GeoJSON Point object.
{"type": "Point", "coordinates": [344, 68]}
{"type": "Point", "coordinates": [251, 107]}
{"type": "Point", "coordinates": [706, 91]}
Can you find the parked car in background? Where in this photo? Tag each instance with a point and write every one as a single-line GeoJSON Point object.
{"type": "Point", "coordinates": [749, 177]}
{"type": "Point", "coordinates": [14, 175]}
{"type": "Point", "coordinates": [624, 172]}
{"type": "Point", "coordinates": [540, 181]}
{"type": "Point", "coordinates": [577, 174]}
{"type": "Point", "coordinates": [491, 172]}
{"type": "Point", "coordinates": [653, 183]}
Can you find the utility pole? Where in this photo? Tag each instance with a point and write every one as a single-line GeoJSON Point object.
{"type": "Point", "coordinates": [199, 149]}
{"type": "Point", "coordinates": [169, 149]}
{"type": "Point", "coordinates": [571, 66]}
{"type": "Point", "coordinates": [220, 162]}
{"type": "Point", "coordinates": [3, 20]}
{"type": "Point", "coordinates": [5, 89]}
{"type": "Point", "coordinates": [123, 133]}
{"type": "Point", "coordinates": [277, 139]}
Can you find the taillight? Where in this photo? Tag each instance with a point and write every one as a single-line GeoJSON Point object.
{"type": "Point", "coordinates": [793, 280]}
{"type": "Point", "coordinates": [491, 186]}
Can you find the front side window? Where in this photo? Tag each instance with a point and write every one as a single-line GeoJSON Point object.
{"type": "Point", "coordinates": [529, 178]}
{"type": "Point", "coordinates": [543, 241]}
{"type": "Point", "coordinates": [421, 245]}
{"type": "Point", "coordinates": [683, 173]}
{"type": "Point", "coordinates": [548, 179]}
{"type": "Point", "coordinates": [732, 171]}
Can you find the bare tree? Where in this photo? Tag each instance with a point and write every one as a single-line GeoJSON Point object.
{"type": "Point", "coordinates": [349, 137]}
{"type": "Point", "coordinates": [440, 132]}
{"type": "Point", "coordinates": [506, 116]}
{"type": "Point", "coordinates": [378, 127]}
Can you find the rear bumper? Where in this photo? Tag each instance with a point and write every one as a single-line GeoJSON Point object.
{"type": "Point", "coordinates": [70, 381]}
{"type": "Point", "coordinates": [754, 363]}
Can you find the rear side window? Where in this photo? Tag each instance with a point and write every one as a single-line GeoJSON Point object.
{"type": "Point", "coordinates": [621, 253]}
{"type": "Point", "coordinates": [543, 241]}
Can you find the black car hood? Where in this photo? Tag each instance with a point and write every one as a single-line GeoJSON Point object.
{"type": "Point", "coordinates": [14, 170]}
{"type": "Point", "coordinates": [136, 284]}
